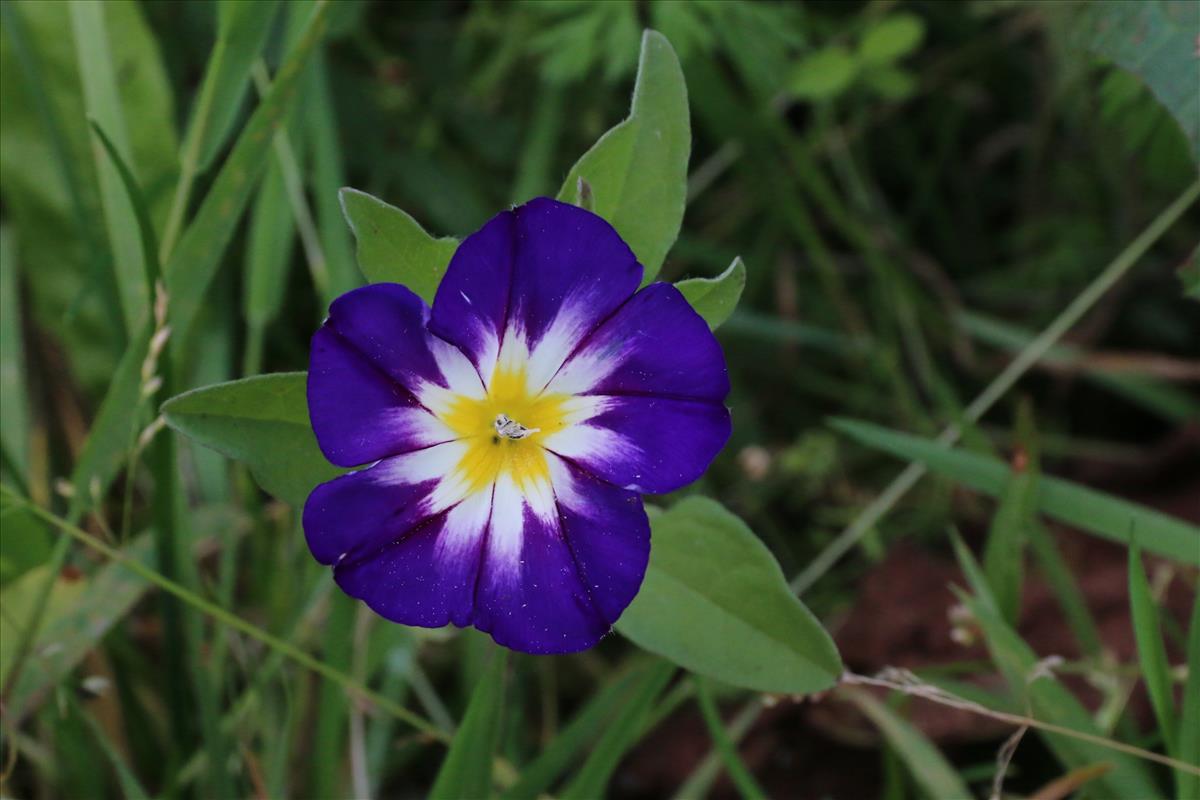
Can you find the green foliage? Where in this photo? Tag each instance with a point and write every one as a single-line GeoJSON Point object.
{"type": "Point", "coordinates": [1087, 509]}
{"type": "Point", "coordinates": [467, 768]}
{"type": "Point", "coordinates": [1157, 42]}
{"type": "Point", "coordinates": [638, 170]}
{"type": "Point", "coordinates": [927, 766]}
{"type": "Point", "coordinates": [716, 298]}
{"type": "Point", "coordinates": [242, 30]}
{"type": "Point", "coordinates": [622, 732]}
{"type": "Point", "coordinates": [392, 247]}
{"type": "Point", "coordinates": [192, 265]}
{"type": "Point", "coordinates": [14, 412]}
{"type": "Point", "coordinates": [1189, 719]}
{"type": "Point", "coordinates": [715, 601]}
{"type": "Point", "coordinates": [262, 421]}
{"type": "Point", "coordinates": [1152, 652]}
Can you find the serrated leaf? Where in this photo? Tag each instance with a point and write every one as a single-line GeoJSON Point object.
{"type": "Point", "coordinates": [393, 248]}
{"type": "Point", "coordinates": [638, 169]}
{"type": "Point", "coordinates": [716, 298]}
{"type": "Point", "coordinates": [261, 421]}
{"type": "Point", "coordinates": [467, 769]}
{"type": "Point", "coordinates": [715, 601]}
{"type": "Point", "coordinates": [892, 38]}
{"type": "Point", "coordinates": [1087, 509]}
{"type": "Point", "coordinates": [824, 74]}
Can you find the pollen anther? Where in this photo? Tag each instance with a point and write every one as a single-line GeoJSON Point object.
{"type": "Point", "coordinates": [511, 429]}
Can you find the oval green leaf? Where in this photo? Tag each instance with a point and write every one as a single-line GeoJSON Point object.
{"type": "Point", "coordinates": [393, 247]}
{"type": "Point", "coordinates": [715, 601]}
{"type": "Point", "coordinates": [892, 38]}
{"type": "Point", "coordinates": [638, 170]}
{"type": "Point", "coordinates": [262, 421]}
{"type": "Point", "coordinates": [716, 298]}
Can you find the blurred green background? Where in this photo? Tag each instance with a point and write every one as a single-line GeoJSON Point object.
{"type": "Point", "coordinates": [916, 188]}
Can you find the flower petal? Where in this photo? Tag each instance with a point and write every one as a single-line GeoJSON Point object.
{"type": "Point", "coordinates": [644, 443]}
{"type": "Point", "coordinates": [554, 579]}
{"type": "Point", "coordinates": [353, 515]}
{"type": "Point", "coordinates": [373, 366]}
{"type": "Point", "coordinates": [656, 344]}
{"type": "Point", "coordinates": [534, 281]}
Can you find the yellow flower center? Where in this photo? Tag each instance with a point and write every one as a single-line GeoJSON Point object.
{"type": "Point", "coordinates": [505, 429]}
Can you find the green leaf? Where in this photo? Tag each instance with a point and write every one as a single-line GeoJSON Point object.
{"type": "Point", "coordinates": [1003, 557]}
{"type": "Point", "coordinates": [393, 248]}
{"type": "Point", "coordinates": [739, 773]}
{"type": "Point", "coordinates": [891, 38]}
{"type": "Point", "coordinates": [1155, 41]}
{"type": "Point", "coordinates": [242, 29]}
{"type": "Point", "coordinates": [1189, 276]}
{"type": "Point", "coordinates": [716, 298]}
{"type": "Point", "coordinates": [467, 769]}
{"type": "Point", "coordinates": [621, 734]}
{"type": "Point", "coordinates": [141, 213]}
{"type": "Point", "coordinates": [114, 429]}
{"type": "Point", "coordinates": [79, 613]}
{"type": "Point", "coordinates": [23, 546]}
{"type": "Point", "coordinates": [892, 83]}
{"type": "Point", "coordinates": [1189, 722]}
{"type": "Point", "coordinates": [1084, 508]}
{"type": "Point", "coordinates": [14, 411]}
{"type": "Point", "coordinates": [98, 75]}
{"type": "Point", "coordinates": [1049, 701]}
{"type": "Point", "coordinates": [194, 261]}
{"type": "Point", "coordinates": [262, 421]}
{"type": "Point", "coordinates": [1152, 651]}
{"type": "Point", "coordinates": [1070, 598]}
{"type": "Point", "coordinates": [929, 768]}
{"type": "Point", "coordinates": [1160, 397]}
{"type": "Point", "coordinates": [824, 74]}
{"type": "Point", "coordinates": [269, 250]}
{"type": "Point", "coordinates": [715, 601]}
{"type": "Point", "coordinates": [538, 776]}
{"type": "Point", "coordinates": [638, 169]}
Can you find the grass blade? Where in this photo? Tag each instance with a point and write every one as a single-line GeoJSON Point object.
{"type": "Point", "coordinates": [1152, 651]}
{"type": "Point", "coordinates": [467, 768]}
{"type": "Point", "coordinates": [14, 411]}
{"type": "Point", "coordinates": [1004, 554]}
{"type": "Point", "coordinates": [242, 29]}
{"type": "Point", "coordinates": [97, 74]}
{"type": "Point", "coordinates": [738, 772]}
{"type": "Point", "coordinates": [592, 779]}
{"type": "Point", "coordinates": [1189, 723]}
{"type": "Point", "coordinates": [929, 768]}
{"type": "Point", "coordinates": [1084, 508]}
{"type": "Point", "coordinates": [1062, 582]}
{"type": "Point", "coordinates": [192, 265]}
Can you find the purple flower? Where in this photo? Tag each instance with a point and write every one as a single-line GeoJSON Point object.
{"type": "Point", "coordinates": [509, 431]}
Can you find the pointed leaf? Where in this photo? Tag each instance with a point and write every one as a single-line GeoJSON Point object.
{"type": "Point", "coordinates": [928, 766]}
{"type": "Point", "coordinates": [716, 298]}
{"type": "Point", "coordinates": [715, 601]}
{"type": "Point", "coordinates": [467, 768]}
{"type": "Point", "coordinates": [1189, 723]}
{"type": "Point", "coordinates": [262, 421]}
{"type": "Point", "coordinates": [194, 262]}
{"type": "Point", "coordinates": [1084, 508]}
{"type": "Point", "coordinates": [1152, 652]}
{"type": "Point", "coordinates": [393, 248]}
{"type": "Point", "coordinates": [638, 170]}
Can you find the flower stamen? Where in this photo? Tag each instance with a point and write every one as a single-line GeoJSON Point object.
{"type": "Point", "coordinates": [511, 429]}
